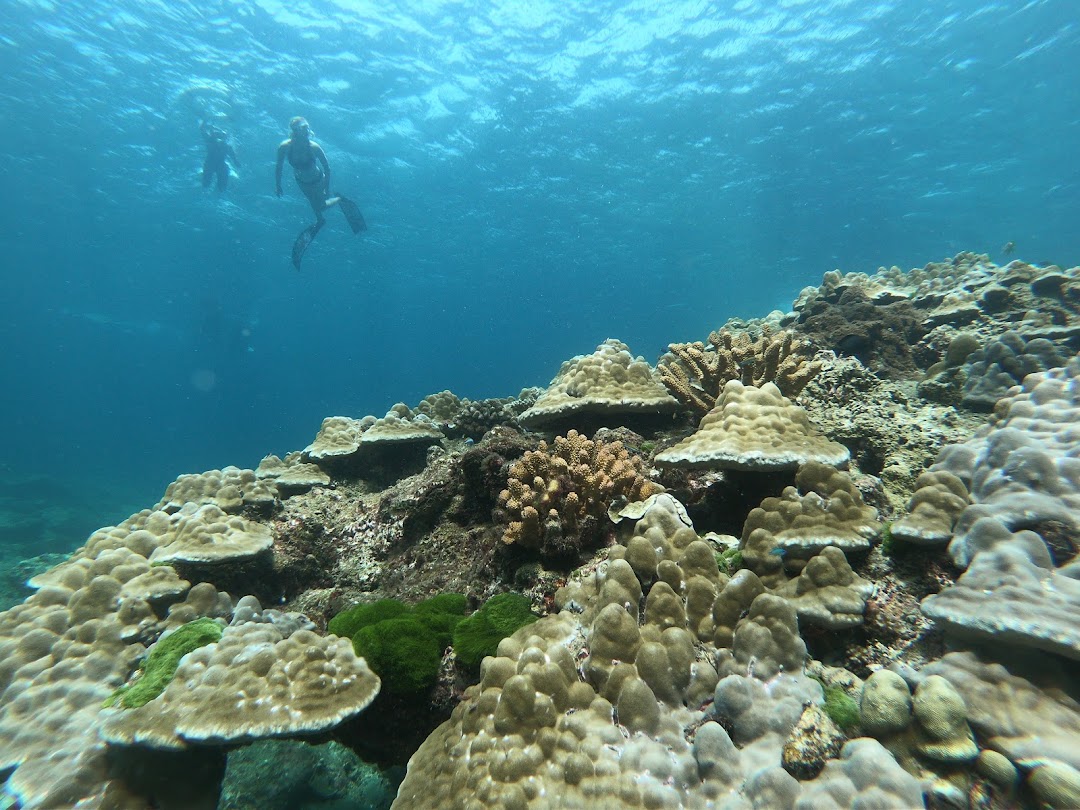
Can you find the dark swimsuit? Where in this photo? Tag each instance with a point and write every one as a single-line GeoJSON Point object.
{"type": "Point", "coordinates": [302, 167]}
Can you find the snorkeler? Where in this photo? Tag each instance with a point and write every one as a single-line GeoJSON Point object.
{"type": "Point", "coordinates": [312, 172]}
{"type": "Point", "coordinates": [218, 150]}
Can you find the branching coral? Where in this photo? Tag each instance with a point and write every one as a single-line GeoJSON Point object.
{"type": "Point", "coordinates": [695, 373]}
{"type": "Point", "coordinates": [557, 499]}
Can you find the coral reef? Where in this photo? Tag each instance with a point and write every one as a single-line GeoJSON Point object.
{"type": "Point", "coordinates": [619, 657]}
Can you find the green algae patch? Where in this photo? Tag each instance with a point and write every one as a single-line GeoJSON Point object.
{"type": "Point", "coordinates": [841, 708]}
{"type": "Point", "coordinates": [160, 665]}
{"type": "Point", "coordinates": [403, 645]}
{"type": "Point", "coordinates": [479, 634]}
{"type": "Point", "coordinates": [349, 622]}
{"type": "Point", "coordinates": [404, 652]}
{"type": "Point", "coordinates": [729, 560]}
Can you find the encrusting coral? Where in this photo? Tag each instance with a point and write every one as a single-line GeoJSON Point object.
{"type": "Point", "coordinates": [696, 374]}
{"type": "Point", "coordinates": [557, 499]}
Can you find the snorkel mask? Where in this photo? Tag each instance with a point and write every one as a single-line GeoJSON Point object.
{"type": "Point", "coordinates": [299, 127]}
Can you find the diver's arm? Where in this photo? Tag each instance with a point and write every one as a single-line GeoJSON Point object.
{"type": "Point", "coordinates": [282, 151]}
{"type": "Point", "coordinates": [320, 155]}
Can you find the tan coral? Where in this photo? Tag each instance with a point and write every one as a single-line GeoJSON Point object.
{"type": "Point", "coordinates": [206, 535]}
{"type": "Point", "coordinates": [401, 426]}
{"type": "Point", "coordinates": [558, 497]}
{"type": "Point", "coordinates": [937, 503]}
{"type": "Point", "coordinates": [338, 437]}
{"type": "Point", "coordinates": [823, 509]}
{"type": "Point", "coordinates": [827, 593]}
{"type": "Point", "coordinates": [230, 489]}
{"type": "Point", "coordinates": [696, 374]}
{"type": "Point", "coordinates": [292, 474]}
{"type": "Point", "coordinates": [62, 652]}
{"type": "Point", "coordinates": [253, 683]}
{"type": "Point", "coordinates": [441, 408]}
{"type": "Point", "coordinates": [609, 381]}
{"type": "Point", "coordinates": [754, 429]}
{"type": "Point", "coordinates": [611, 702]}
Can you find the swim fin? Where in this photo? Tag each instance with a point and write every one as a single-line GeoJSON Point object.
{"type": "Point", "coordinates": [303, 240]}
{"type": "Point", "coordinates": [352, 213]}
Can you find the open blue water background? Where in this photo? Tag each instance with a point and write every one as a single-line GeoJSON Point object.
{"type": "Point", "coordinates": [537, 176]}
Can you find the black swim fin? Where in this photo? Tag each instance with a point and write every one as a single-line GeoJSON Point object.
{"type": "Point", "coordinates": [352, 214]}
{"type": "Point", "coordinates": [303, 240]}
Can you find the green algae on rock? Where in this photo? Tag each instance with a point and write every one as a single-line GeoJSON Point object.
{"type": "Point", "coordinates": [160, 665]}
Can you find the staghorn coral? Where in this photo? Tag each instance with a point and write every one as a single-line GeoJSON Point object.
{"type": "Point", "coordinates": [696, 374]}
{"type": "Point", "coordinates": [557, 499]}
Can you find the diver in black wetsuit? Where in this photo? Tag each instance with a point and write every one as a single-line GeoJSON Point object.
{"type": "Point", "coordinates": [312, 172]}
{"type": "Point", "coordinates": [218, 151]}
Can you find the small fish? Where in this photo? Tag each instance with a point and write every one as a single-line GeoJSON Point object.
{"type": "Point", "coordinates": [778, 551]}
{"type": "Point", "coordinates": [1008, 248]}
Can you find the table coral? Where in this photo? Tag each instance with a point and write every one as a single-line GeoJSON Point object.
{"type": "Point", "coordinates": [205, 534]}
{"type": "Point", "coordinates": [253, 683]}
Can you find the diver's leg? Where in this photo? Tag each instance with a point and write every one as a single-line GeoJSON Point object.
{"type": "Point", "coordinates": [313, 192]}
{"type": "Point", "coordinates": [328, 201]}
{"type": "Point", "coordinates": [222, 177]}
{"type": "Point", "coordinates": [207, 175]}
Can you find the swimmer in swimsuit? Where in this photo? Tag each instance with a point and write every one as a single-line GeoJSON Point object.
{"type": "Point", "coordinates": [310, 167]}
{"type": "Point", "coordinates": [312, 173]}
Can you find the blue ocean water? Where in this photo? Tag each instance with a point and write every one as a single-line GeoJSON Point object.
{"type": "Point", "coordinates": [536, 177]}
